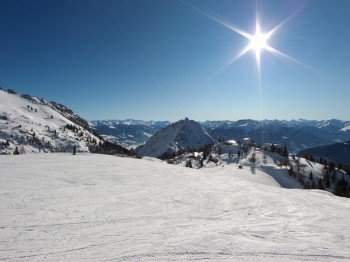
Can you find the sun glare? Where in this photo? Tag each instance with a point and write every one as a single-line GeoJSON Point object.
{"type": "Point", "coordinates": [258, 42]}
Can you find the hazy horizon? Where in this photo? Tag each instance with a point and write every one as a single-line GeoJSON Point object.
{"type": "Point", "coordinates": [211, 120]}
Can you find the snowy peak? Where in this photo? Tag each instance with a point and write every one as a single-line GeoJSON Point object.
{"type": "Point", "coordinates": [182, 135]}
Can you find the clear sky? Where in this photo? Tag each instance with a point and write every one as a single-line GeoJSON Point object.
{"type": "Point", "coordinates": [160, 59]}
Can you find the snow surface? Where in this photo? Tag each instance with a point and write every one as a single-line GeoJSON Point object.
{"type": "Point", "coordinates": [95, 207]}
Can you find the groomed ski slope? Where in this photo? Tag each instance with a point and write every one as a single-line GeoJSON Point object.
{"type": "Point", "coordinates": [60, 207]}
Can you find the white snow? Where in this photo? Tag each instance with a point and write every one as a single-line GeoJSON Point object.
{"type": "Point", "coordinates": [232, 142]}
{"type": "Point", "coordinates": [60, 207]}
{"type": "Point", "coordinates": [347, 128]}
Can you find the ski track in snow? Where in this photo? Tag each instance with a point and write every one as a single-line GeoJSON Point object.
{"type": "Point", "coordinates": [103, 208]}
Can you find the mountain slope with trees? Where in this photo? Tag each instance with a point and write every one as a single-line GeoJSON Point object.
{"type": "Point", "coordinates": [338, 152]}
{"type": "Point", "coordinates": [32, 125]}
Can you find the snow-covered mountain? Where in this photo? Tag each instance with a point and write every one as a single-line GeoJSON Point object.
{"type": "Point", "coordinates": [128, 133]}
{"type": "Point", "coordinates": [34, 125]}
{"type": "Point", "coordinates": [184, 134]}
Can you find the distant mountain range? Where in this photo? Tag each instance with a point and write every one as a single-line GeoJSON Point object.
{"type": "Point", "coordinates": [338, 152]}
{"type": "Point", "coordinates": [295, 134]}
{"type": "Point", "coordinates": [128, 133]}
{"type": "Point", "coordinates": [182, 135]}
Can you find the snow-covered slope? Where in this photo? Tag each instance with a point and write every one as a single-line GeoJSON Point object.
{"type": "Point", "coordinates": [34, 125]}
{"type": "Point", "coordinates": [184, 134]}
{"type": "Point", "coordinates": [299, 172]}
{"type": "Point", "coordinates": [60, 207]}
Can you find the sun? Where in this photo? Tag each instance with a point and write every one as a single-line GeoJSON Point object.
{"type": "Point", "coordinates": [258, 42]}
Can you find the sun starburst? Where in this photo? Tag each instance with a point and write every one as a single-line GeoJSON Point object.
{"type": "Point", "coordinates": [258, 41]}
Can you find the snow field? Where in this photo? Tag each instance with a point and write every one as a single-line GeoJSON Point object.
{"type": "Point", "coordinates": [98, 208]}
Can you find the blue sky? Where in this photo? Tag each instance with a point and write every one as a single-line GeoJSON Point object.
{"type": "Point", "coordinates": [159, 59]}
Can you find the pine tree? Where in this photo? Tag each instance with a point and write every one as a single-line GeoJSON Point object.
{"type": "Point", "coordinates": [253, 159]}
{"type": "Point", "coordinates": [189, 163]}
{"type": "Point", "coordinates": [273, 148]}
{"type": "Point", "coordinates": [285, 152]}
{"type": "Point", "coordinates": [311, 176]}
{"type": "Point", "coordinates": [321, 160]}
{"type": "Point", "coordinates": [327, 182]}
{"type": "Point", "coordinates": [290, 171]}
{"type": "Point", "coordinates": [340, 166]}
{"type": "Point", "coordinates": [340, 188]}
{"type": "Point", "coordinates": [219, 152]}
{"type": "Point", "coordinates": [331, 166]}
{"type": "Point", "coordinates": [16, 152]}
{"type": "Point", "coordinates": [320, 184]}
